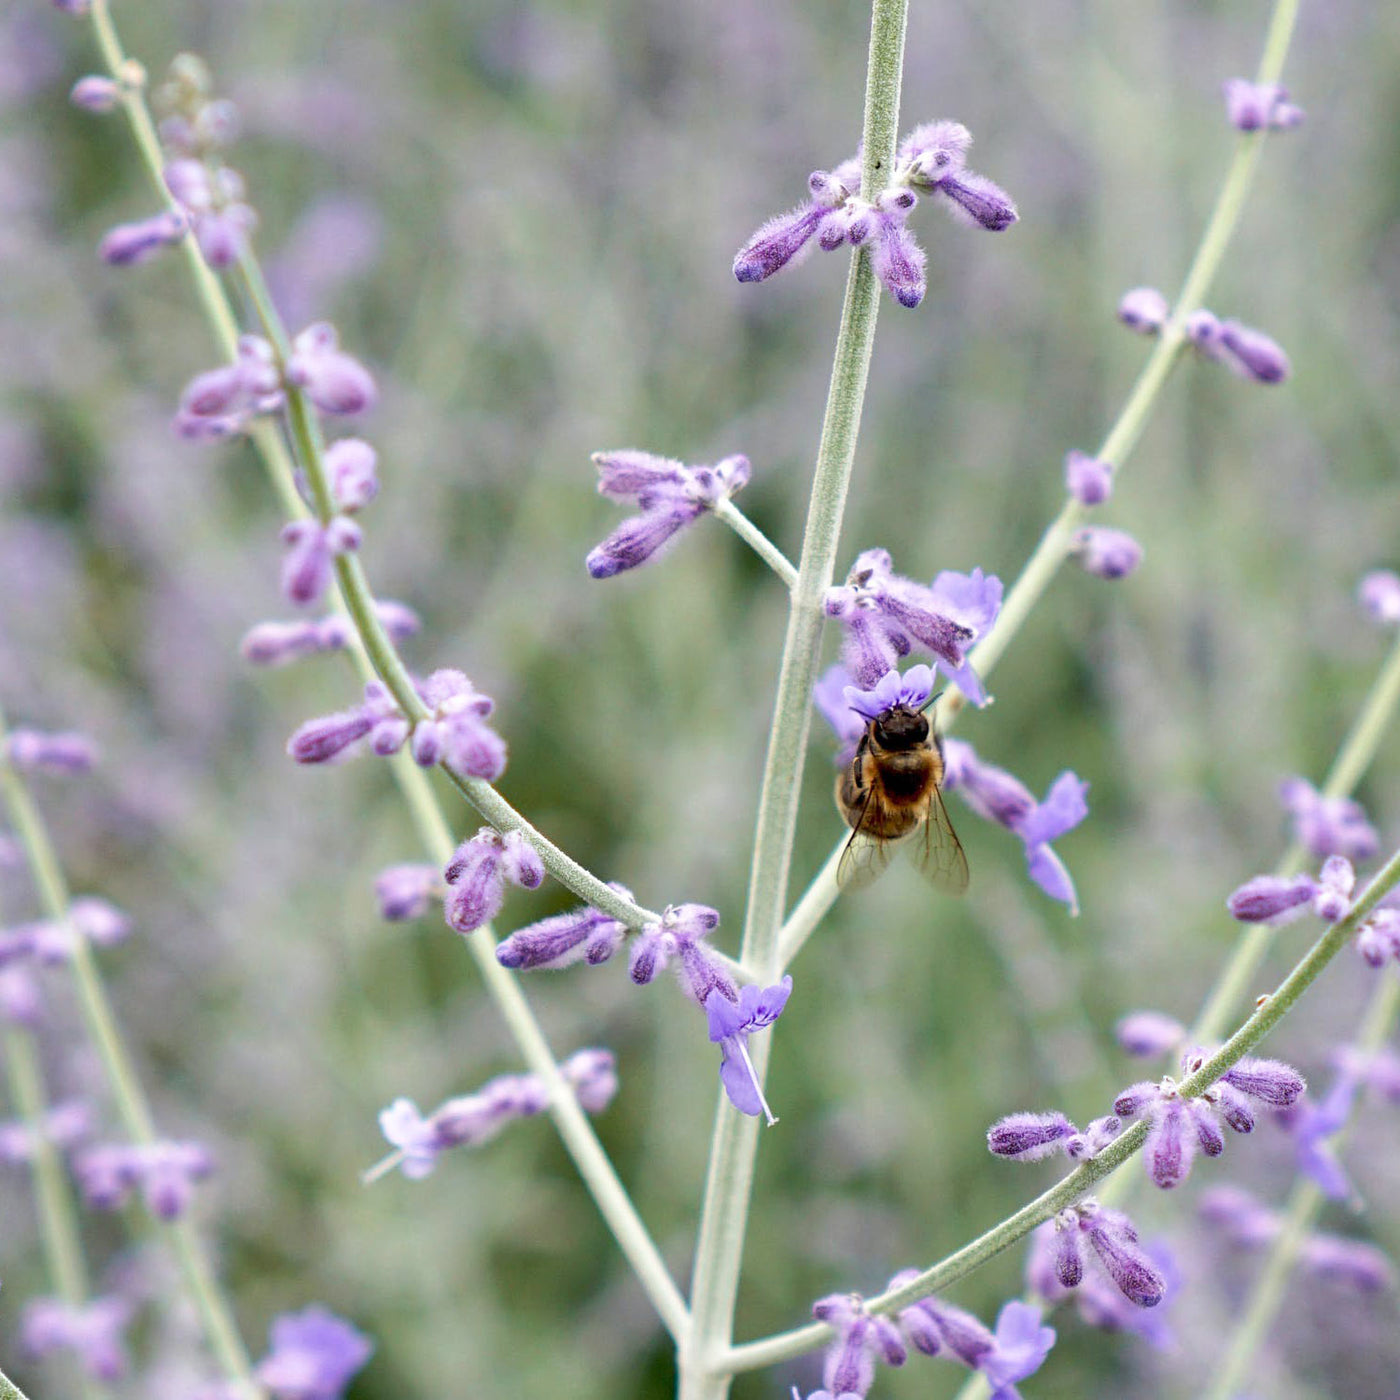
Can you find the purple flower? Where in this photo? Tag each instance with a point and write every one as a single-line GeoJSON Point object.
{"type": "Point", "coordinates": [671, 496]}
{"type": "Point", "coordinates": [472, 1119]}
{"type": "Point", "coordinates": [1378, 938]}
{"type": "Point", "coordinates": [65, 1125]}
{"type": "Point", "coordinates": [95, 920]}
{"type": "Point", "coordinates": [731, 1024]}
{"type": "Point", "coordinates": [331, 379]}
{"type": "Point", "coordinates": [885, 616]}
{"type": "Point", "coordinates": [478, 872]}
{"type": "Point", "coordinates": [1104, 552]}
{"type": "Point", "coordinates": [1379, 595]}
{"type": "Point", "coordinates": [996, 796]}
{"type": "Point", "coordinates": [829, 696]}
{"type": "Point", "coordinates": [1021, 1344]}
{"type": "Point", "coordinates": [679, 938]}
{"type": "Point", "coordinates": [280, 643]}
{"type": "Point", "coordinates": [582, 935]}
{"type": "Point", "coordinates": [350, 472]}
{"type": "Point", "coordinates": [1088, 479]}
{"type": "Point", "coordinates": [94, 1332]}
{"type": "Point", "coordinates": [895, 258]}
{"type": "Point", "coordinates": [36, 751]}
{"type": "Point", "coordinates": [165, 1172]}
{"type": "Point", "coordinates": [127, 245]}
{"type": "Point", "coordinates": [313, 1355]}
{"type": "Point", "coordinates": [1253, 106]}
{"type": "Point", "coordinates": [934, 1327]}
{"type": "Point", "coordinates": [1272, 899]}
{"type": "Point", "coordinates": [911, 690]}
{"type": "Point", "coordinates": [1328, 825]}
{"type": "Point", "coordinates": [1313, 1124]}
{"type": "Point", "coordinates": [406, 891]}
{"type": "Point", "coordinates": [21, 1002]}
{"type": "Point", "coordinates": [1147, 1033]}
{"type": "Point", "coordinates": [312, 549]}
{"type": "Point", "coordinates": [935, 156]}
{"type": "Point", "coordinates": [1027, 1137]}
{"type": "Point", "coordinates": [848, 1368]}
{"type": "Point", "coordinates": [1144, 309]}
{"type": "Point", "coordinates": [213, 200]}
{"type": "Point", "coordinates": [221, 402]}
{"type": "Point", "coordinates": [1245, 351]}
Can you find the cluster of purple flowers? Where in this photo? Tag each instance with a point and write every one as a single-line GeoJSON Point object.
{"type": "Point", "coordinates": [164, 1172]}
{"type": "Point", "coordinates": [1016, 1350]}
{"type": "Point", "coordinates": [476, 876]}
{"type": "Point", "coordinates": [472, 1119]}
{"type": "Point", "coordinates": [670, 496]}
{"type": "Point", "coordinates": [931, 161]}
{"type": "Point", "coordinates": [1245, 351]}
{"type": "Point", "coordinates": [280, 643]}
{"type": "Point", "coordinates": [884, 616]}
{"type": "Point", "coordinates": [50, 943]}
{"type": "Point", "coordinates": [94, 1333]}
{"type": "Point", "coordinates": [64, 1126]}
{"type": "Point", "coordinates": [676, 940]}
{"type": "Point", "coordinates": [454, 732]}
{"type": "Point", "coordinates": [43, 751]}
{"type": "Point", "coordinates": [1254, 106]}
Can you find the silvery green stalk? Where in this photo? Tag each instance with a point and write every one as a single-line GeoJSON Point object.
{"type": "Point", "coordinates": [729, 1180]}
{"type": "Point", "coordinates": [9, 1390]}
{"type": "Point", "coordinates": [216, 1315]}
{"type": "Point", "coordinates": [1270, 1011]}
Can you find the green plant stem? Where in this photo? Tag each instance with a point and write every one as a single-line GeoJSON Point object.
{"type": "Point", "coordinates": [1271, 1010]}
{"type": "Point", "coordinates": [1304, 1202]}
{"type": "Point", "coordinates": [734, 1145]}
{"type": "Point", "coordinates": [216, 1314]}
{"type": "Point", "coordinates": [1118, 444]}
{"type": "Point", "coordinates": [58, 1225]}
{"type": "Point", "coordinates": [9, 1390]}
{"type": "Point", "coordinates": [761, 545]}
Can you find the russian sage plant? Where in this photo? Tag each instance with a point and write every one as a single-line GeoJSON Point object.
{"type": "Point", "coordinates": [887, 632]}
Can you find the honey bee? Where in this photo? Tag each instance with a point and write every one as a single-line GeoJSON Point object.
{"type": "Point", "coordinates": [889, 796]}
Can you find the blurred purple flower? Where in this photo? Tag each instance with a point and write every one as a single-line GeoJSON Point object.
{"type": "Point", "coordinates": [313, 1355]}
{"type": "Point", "coordinates": [127, 245]}
{"type": "Point", "coordinates": [65, 1125]}
{"type": "Point", "coordinates": [1251, 106]}
{"type": "Point", "coordinates": [333, 381]}
{"type": "Point", "coordinates": [1328, 826]}
{"type": "Point", "coordinates": [38, 751]}
{"type": "Point", "coordinates": [406, 891]}
{"type": "Point", "coordinates": [280, 643]}
{"type": "Point", "coordinates": [1379, 595]}
{"type": "Point", "coordinates": [1144, 309]}
{"type": "Point", "coordinates": [311, 550]}
{"type": "Point", "coordinates": [221, 402]}
{"type": "Point", "coordinates": [1147, 1033]}
{"type": "Point", "coordinates": [165, 1172]}
{"type": "Point", "coordinates": [94, 1332]}
{"type": "Point", "coordinates": [1104, 552]}
{"type": "Point", "coordinates": [1088, 479]}
{"type": "Point", "coordinates": [1245, 351]}
{"type": "Point", "coordinates": [1021, 1344]}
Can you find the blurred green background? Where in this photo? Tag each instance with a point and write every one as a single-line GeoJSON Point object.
{"type": "Point", "coordinates": [532, 210]}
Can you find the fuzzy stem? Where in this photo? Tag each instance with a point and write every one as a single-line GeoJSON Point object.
{"type": "Point", "coordinates": [761, 545]}
{"type": "Point", "coordinates": [1304, 1202]}
{"type": "Point", "coordinates": [729, 1179]}
{"type": "Point", "coordinates": [9, 1390]}
{"type": "Point", "coordinates": [215, 1312]}
{"type": "Point", "coordinates": [1267, 1015]}
{"type": "Point", "coordinates": [1117, 446]}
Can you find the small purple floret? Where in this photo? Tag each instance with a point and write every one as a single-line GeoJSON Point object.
{"type": "Point", "coordinates": [313, 1355]}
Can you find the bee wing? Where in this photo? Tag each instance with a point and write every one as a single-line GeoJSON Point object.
{"type": "Point", "coordinates": [865, 858]}
{"type": "Point", "coordinates": [937, 851]}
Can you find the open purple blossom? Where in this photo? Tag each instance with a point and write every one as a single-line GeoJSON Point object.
{"type": "Point", "coordinates": [884, 616]}
{"type": "Point", "coordinates": [280, 643]}
{"type": "Point", "coordinates": [582, 935]}
{"type": "Point", "coordinates": [1277, 899]}
{"type": "Point", "coordinates": [93, 1332]}
{"type": "Point", "coordinates": [671, 496]}
{"type": "Point", "coordinates": [335, 382]}
{"type": "Point", "coordinates": [1251, 106]}
{"type": "Point", "coordinates": [64, 1126]}
{"type": "Point", "coordinates": [164, 1172]}
{"type": "Point", "coordinates": [932, 159]}
{"type": "Point", "coordinates": [40, 751]}
{"type": "Point", "coordinates": [996, 796]}
{"type": "Point", "coordinates": [1028, 1137]}
{"type": "Point", "coordinates": [1180, 1127]}
{"type": "Point", "coordinates": [1088, 479]}
{"type": "Point", "coordinates": [1243, 350]}
{"type": "Point", "coordinates": [453, 732]}
{"type": "Point", "coordinates": [1328, 826]}
{"type": "Point", "coordinates": [1144, 309]}
{"type": "Point", "coordinates": [731, 1023]}
{"type": "Point", "coordinates": [312, 1355]}
{"type": "Point", "coordinates": [311, 551]}
{"type": "Point", "coordinates": [130, 244]}
{"type": "Point", "coordinates": [1379, 595]}
{"type": "Point", "coordinates": [1021, 1343]}
{"type": "Point", "coordinates": [221, 402]}
{"type": "Point", "coordinates": [1105, 1240]}
{"type": "Point", "coordinates": [1105, 552]}
{"type": "Point", "coordinates": [472, 1119]}
{"type": "Point", "coordinates": [911, 690]}
{"type": "Point", "coordinates": [476, 876]}
{"type": "Point", "coordinates": [1144, 1034]}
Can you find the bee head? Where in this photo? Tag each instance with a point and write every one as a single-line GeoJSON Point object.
{"type": "Point", "coordinates": [901, 728]}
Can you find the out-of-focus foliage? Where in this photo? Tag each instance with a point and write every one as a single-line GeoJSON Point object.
{"type": "Point", "coordinates": [538, 206]}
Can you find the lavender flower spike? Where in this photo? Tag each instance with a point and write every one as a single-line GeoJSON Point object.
{"type": "Point", "coordinates": [671, 496]}
{"type": "Point", "coordinates": [731, 1025]}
